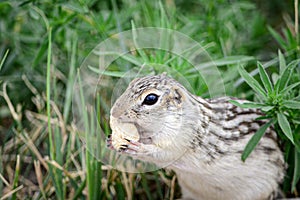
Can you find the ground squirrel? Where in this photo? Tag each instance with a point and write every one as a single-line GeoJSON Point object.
{"type": "Point", "coordinates": [156, 119]}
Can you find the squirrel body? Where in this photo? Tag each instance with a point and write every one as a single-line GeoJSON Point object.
{"type": "Point", "coordinates": [201, 140]}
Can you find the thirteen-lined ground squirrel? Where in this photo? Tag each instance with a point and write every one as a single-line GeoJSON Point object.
{"type": "Point", "coordinates": [156, 119]}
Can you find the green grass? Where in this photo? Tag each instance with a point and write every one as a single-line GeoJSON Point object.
{"type": "Point", "coordinates": [44, 42]}
{"type": "Point", "coordinates": [279, 99]}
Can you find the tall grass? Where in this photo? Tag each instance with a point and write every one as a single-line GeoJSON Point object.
{"type": "Point", "coordinates": [44, 43]}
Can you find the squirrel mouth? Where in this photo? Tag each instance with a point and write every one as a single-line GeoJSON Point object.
{"type": "Point", "coordinates": [125, 136]}
{"type": "Point", "coordinates": [122, 133]}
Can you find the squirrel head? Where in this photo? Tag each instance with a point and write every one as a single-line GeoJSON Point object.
{"type": "Point", "coordinates": [153, 109]}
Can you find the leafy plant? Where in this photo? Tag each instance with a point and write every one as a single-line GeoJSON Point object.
{"type": "Point", "coordinates": [36, 121]}
{"type": "Point", "coordinates": [279, 99]}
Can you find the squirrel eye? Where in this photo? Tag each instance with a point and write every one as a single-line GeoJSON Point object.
{"type": "Point", "coordinates": [150, 99]}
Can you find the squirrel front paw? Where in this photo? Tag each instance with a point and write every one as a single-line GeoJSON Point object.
{"type": "Point", "coordinates": [129, 146]}
{"type": "Point", "coordinates": [132, 147]}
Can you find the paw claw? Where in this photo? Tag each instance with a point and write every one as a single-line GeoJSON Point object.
{"type": "Point", "coordinates": [123, 148]}
{"type": "Point", "coordinates": [129, 151]}
{"type": "Point", "coordinates": [131, 147]}
{"type": "Point", "coordinates": [135, 143]}
{"type": "Point", "coordinates": [109, 142]}
{"type": "Point", "coordinates": [127, 140]}
{"type": "Point", "coordinates": [134, 146]}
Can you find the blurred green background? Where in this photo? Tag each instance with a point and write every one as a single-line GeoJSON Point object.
{"type": "Point", "coordinates": [38, 164]}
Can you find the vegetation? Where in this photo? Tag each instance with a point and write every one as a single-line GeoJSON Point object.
{"type": "Point", "coordinates": [43, 43]}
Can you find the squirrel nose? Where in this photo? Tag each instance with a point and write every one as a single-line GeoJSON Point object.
{"type": "Point", "coordinates": [119, 108]}
{"type": "Point", "coordinates": [116, 111]}
{"type": "Point", "coordinates": [114, 114]}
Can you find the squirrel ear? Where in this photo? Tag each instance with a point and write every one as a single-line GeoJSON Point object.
{"type": "Point", "coordinates": [177, 96]}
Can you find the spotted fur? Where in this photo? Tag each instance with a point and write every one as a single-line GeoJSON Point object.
{"type": "Point", "coordinates": [201, 140]}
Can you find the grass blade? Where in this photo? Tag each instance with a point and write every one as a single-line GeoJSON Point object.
{"type": "Point", "coordinates": [53, 135]}
{"type": "Point", "coordinates": [285, 126]}
{"type": "Point", "coordinates": [71, 76]}
{"type": "Point", "coordinates": [128, 57]}
{"type": "Point", "coordinates": [296, 175]}
{"type": "Point", "coordinates": [228, 60]}
{"type": "Point", "coordinates": [120, 191]}
{"type": "Point", "coordinates": [94, 173]}
{"type": "Point", "coordinates": [288, 88]}
{"type": "Point", "coordinates": [247, 104]}
{"type": "Point", "coordinates": [292, 104]}
{"type": "Point", "coordinates": [107, 73]}
{"type": "Point", "coordinates": [146, 187]}
{"type": "Point", "coordinates": [282, 63]}
{"type": "Point", "coordinates": [78, 192]}
{"type": "Point", "coordinates": [265, 78]}
{"type": "Point", "coordinates": [285, 76]}
{"type": "Point", "coordinates": [290, 38]}
{"type": "Point", "coordinates": [136, 45]}
{"type": "Point", "coordinates": [3, 59]}
{"type": "Point", "coordinates": [48, 93]}
{"type": "Point", "coordinates": [16, 178]}
{"type": "Point", "coordinates": [1, 172]}
{"type": "Point", "coordinates": [255, 139]}
{"type": "Point", "coordinates": [252, 82]}
{"type": "Point", "coordinates": [277, 37]}
{"type": "Point", "coordinates": [159, 188]}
